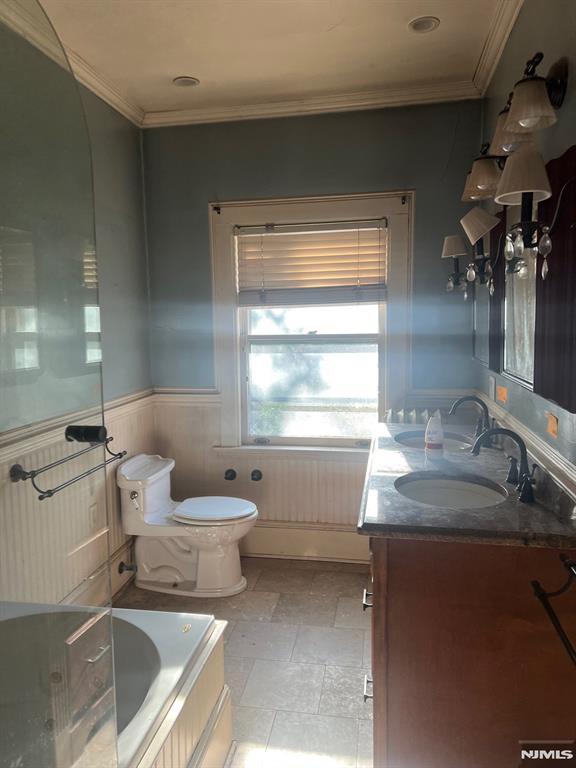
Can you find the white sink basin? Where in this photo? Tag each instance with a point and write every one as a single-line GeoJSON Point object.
{"type": "Point", "coordinates": [452, 440]}
{"type": "Point", "coordinates": [438, 489]}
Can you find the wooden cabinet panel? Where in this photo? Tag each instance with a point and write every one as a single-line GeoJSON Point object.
{"type": "Point", "coordinates": [466, 663]}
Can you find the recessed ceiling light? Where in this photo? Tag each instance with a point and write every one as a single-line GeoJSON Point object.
{"type": "Point", "coordinates": [185, 81]}
{"type": "Point", "coordinates": [424, 24]}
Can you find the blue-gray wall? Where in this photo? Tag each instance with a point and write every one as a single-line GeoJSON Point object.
{"type": "Point", "coordinates": [425, 148]}
{"type": "Point", "coordinates": [548, 26]}
{"type": "Point", "coordinates": [121, 248]}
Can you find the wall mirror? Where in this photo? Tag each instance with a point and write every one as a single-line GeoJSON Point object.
{"type": "Point", "coordinates": [520, 316]}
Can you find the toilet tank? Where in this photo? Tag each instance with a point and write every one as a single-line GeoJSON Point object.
{"type": "Point", "coordinates": [149, 478]}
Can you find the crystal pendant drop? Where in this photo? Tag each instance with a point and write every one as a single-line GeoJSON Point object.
{"type": "Point", "coordinates": [466, 295]}
{"type": "Point", "coordinates": [519, 246]}
{"type": "Point", "coordinates": [522, 270]}
{"type": "Point", "coordinates": [544, 269]}
{"type": "Point", "coordinates": [488, 269]}
{"type": "Point", "coordinates": [509, 249]}
{"type": "Point", "coordinates": [450, 285]}
{"type": "Point", "coordinates": [470, 274]}
{"type": "Point", "coordinates": [545, 244]}
{"type": "Point", "coordinates": [491, 289]}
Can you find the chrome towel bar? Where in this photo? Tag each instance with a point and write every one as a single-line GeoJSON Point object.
{"type": "Point", "coordinates": [17, 471]}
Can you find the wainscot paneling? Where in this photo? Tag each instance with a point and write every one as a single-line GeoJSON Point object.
{"type": "Point", "coordinates": [59, 549]}
{"type": "Point", "coordinates": [315, 491]}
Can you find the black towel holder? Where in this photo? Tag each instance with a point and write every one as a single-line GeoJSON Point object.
{"type": "Point", "coordinates": [17, 471]}
{"type": "Point", "coordinates": [545, 597]}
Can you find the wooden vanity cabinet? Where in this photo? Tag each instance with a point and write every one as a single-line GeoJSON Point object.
{"type": "Point", "coordinates": [465, 662]}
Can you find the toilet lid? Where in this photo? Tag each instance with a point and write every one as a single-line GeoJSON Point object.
{"type": "Point", "coordinates": [213, 508]}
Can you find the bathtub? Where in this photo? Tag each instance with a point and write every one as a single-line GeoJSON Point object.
{"type": "Point", "coordinates": [158, 658]}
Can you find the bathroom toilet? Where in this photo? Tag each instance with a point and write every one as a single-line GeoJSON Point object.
{"type": "Point", "coordinates": [182, 547]}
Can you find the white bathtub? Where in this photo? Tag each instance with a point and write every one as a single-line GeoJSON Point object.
{"type": "Point", "coordinates": [154, 655]}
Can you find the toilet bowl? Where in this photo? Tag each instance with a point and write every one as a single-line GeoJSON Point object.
{"type": "Point", "coordinates": [182, 547]}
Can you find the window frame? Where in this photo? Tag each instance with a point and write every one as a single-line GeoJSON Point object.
{"type": "Point", "coordinates": [338, 338]}
{"type": "Point", "coordinates": [394, 338]}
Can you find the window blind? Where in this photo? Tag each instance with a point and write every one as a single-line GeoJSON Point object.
{"type": "Point", "coordinates": [312, 264]}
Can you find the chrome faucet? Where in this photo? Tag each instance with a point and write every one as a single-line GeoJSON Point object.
{"type": "Point", "coordinates": [525, 478]}
{"type": "Point", "coordinates": [483, 422]}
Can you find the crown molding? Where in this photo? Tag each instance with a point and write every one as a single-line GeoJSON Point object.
{"type": "Point", "coordinates": [342, 102]}
{"type": "Point", "coordinates": [40, 33]}
{"type": "Point", "coordinates": [503, 20]}
{"type": "Point", "coordinates": [94, 81]}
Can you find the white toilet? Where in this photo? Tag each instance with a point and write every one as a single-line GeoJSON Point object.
{"type": "Point", "coordinates": [182, 547]}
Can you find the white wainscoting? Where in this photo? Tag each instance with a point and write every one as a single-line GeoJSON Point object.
{"type": "Point", "coordinates": [308, 500]}
{"type": "Point", "coordinates": [65, 549]}
{"type": "Point", "coordinates": [59, 549]}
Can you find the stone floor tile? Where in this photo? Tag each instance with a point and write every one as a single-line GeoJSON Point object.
{"type": "Point", "coordinates": [351, 615]}
{"type": "Point", "coordinates": [262, 640]}
{"type": "Point", "coordinates": [316, 610]}
{"type": "Point", "coordinates": [284, 686]}
{"type": "Point", "coordinates": [251, 725]}
{"type": "Point", "coordinates": [365, 755]}
{"type": "Point", "coordinates": [284, 581]}
{"type": "Point", "coordinates": [329, 645]}
{"type": "Point", "coordinates": [342, 693]}
{"type": "Point", "coordinates": [338, 584]}
{"type": "Point", "coordinates": [302, 740]}
{"type": "Point", "coordinates": [236, 673]}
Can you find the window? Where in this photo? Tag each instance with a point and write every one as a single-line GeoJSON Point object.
{"type": "Point", "coordinates": [310, 355]}
{"type": "Point", "coordinates": [92, 333]}
{"type": "Point", "coordinates": [19, 327]}
{"type": "Point", "coordinates": [311, 317]}
{"type": "Point", "coordinates": [311, 372]}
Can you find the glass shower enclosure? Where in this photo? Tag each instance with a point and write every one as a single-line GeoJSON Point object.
{"type": "Point", "coordinates": [56, 672]}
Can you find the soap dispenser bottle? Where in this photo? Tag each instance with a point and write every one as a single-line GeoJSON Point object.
{"type": "Point", "coordinates": [434, 435]}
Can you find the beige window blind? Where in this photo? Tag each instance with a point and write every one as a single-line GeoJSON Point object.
{"type": "Point", "coordinates": [339, 262]}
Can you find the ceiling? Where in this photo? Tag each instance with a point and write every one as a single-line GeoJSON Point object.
{"type": "Point", "coordinates": [257, 58]}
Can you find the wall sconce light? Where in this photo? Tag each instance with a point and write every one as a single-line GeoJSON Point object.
{"type": "Point", "coordinates": [525, 182]}
{"type": "Point", "coordinates": [454, 247]}
{"type": "Point", "coordinates": [504, 141]}
{"type": "Point", "coordinates": [485, 175]}
{"type": "Point", "coordinates": [535, 98]}
{"type": "Point", "coordinates": [477, 223]}
{"type": "Point", "coordinates": [470, 193]}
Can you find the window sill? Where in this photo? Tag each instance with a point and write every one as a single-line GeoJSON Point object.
{"type": "Point", "coordinates": [325, 453]}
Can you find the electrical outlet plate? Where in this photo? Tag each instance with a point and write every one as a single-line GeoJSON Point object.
{"type": "Point", "coordinates": [552, 424]}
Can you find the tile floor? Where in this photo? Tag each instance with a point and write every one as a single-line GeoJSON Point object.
{"type": "Point", "coordinates": [297, 647]}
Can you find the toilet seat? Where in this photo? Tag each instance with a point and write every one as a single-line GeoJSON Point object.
{"type": "Point", "coordinates": [211, 510]}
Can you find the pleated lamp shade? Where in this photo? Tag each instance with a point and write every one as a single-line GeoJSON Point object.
{"type": "Point", "coordinates": [484, 177]}
{"type": "Point", "coordinates": [504, 141]}
{"type": "Point", "coordinates": [531, 109]}
{"type": "Point", "coordinates": [524, 172]}
{"type": "Point", "coordinates": [478, 223]}
{"type": "Point", "coordinates": [454, 246]}
{"type": "Point", "coordinates": [471, 192]}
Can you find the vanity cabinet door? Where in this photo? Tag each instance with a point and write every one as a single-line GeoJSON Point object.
{"type": "Point", "coordinates": [466, 662]}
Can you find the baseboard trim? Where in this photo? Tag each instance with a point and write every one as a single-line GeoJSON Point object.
{"type": "Point", "coordinates": [307, 543]}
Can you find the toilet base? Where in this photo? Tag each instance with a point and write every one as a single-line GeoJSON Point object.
{"type": "Point", "coordinates": [188, 588]}
{"type": "Point", "coordinates": [173, 565]}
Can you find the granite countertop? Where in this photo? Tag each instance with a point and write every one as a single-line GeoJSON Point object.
{"type": "Point", "coordinates": [387, 513]}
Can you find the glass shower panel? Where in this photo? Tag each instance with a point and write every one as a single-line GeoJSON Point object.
{"type": "Point", "coordinates": [56, 676]}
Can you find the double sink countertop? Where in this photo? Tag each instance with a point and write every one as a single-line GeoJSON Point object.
{"type": "Point", "coordinates": [386, 512]}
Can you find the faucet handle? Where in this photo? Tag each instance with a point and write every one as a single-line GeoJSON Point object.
{"type": "Point", "coordinates": [533, 471]}
{"type": "Point", "coordinates": [526, 490]}
{"type": "Point", "coordinates": [513, 476]}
